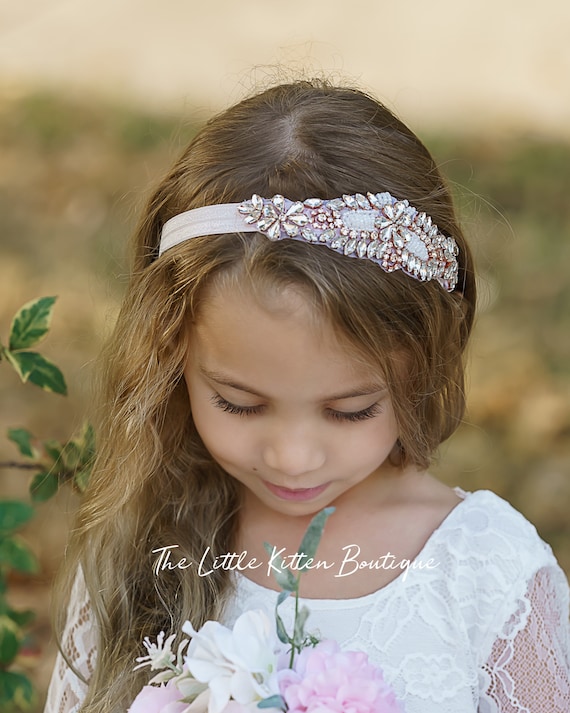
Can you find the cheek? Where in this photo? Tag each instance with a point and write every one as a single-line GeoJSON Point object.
{"type": "Point", "coordinates": [225, 441]}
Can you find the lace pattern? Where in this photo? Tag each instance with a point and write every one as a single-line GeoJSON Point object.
{"type": "Point", "coordinates": [486, 631]}
{"type": "Point", "coordinates": [67, 691]}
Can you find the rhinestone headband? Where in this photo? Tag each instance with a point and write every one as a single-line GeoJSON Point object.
{"type": "Point", "coordinates": [376, 227]}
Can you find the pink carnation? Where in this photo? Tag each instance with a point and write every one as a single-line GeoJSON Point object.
{"type": "Point", "coordinates": [159, 699]}
{"type": "Point", "coordinates": [328, 680]}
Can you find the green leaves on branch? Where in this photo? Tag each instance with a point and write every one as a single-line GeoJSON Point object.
{"type": "Point", "coordinates": [14, 514]}
{"type": "Point", "coordinates": [16, 692]}
{"type": "Point", "coordinates": [312, 537]}
{"type": "Point", "coordinates": [31, 323]}
{"type": "Point", "coordinates": [29, 326]}
{"type": "Point", "coordinates": [290, 584]}
{"type": "Point", "coordinates": [56, 462]}
{"type": "Point", "coordinates": [16, 555]}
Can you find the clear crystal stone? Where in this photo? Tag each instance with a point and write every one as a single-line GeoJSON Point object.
{"type": "Point", "coordinates": [338, 242]}
{"type": "Point", "coordinates": [327, 235]}
{"type": "Point", "coordinates": [350, 247]}
{"type": "Point", "coordinates": [372, 248]}
{"type": "Point", "coordinates": [274, 231]}
{"type": "Point", "coordinates": [291, 230]}
{"type": "Point", "coordinates": [278, 201]}
{"type": "Point", "coordinates": [350, 201]}
{"type": "Point", "coordinates": [399, 208]}
{"type": "Point", "coordinates": [270, 211]}
{"type": "Point", "coordinates": [296, 207]}
{"type": "Point", "coordinates": [387, 232]}
{"type": "Point", "coordinates": [309, 235]}
{"type": "Point", "coordinates": [336, 204]}
{"type": "Point", "coordinates": [362, 248]}
{"type": "Point", "coordinates": [297, 219]}
{"type": "Point", "coordinates": [313, 202]}
{"type": "Point", "coordinates": [362, 201]}
{"type": "Point", "coordinates": [374, 202]}
{"type": "Point", "coordinates": [399, 240]}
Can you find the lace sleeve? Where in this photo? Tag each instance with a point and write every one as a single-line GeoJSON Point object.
{"type": "Point", "coordinates": [66, 690]}
{"type": "Point", "coordinates": [528, 670]}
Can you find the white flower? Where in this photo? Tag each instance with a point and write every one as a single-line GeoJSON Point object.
{"type": "Point", "coordinates": [239, 664]}
{"type": "Point", "coordinates": [161, 656]}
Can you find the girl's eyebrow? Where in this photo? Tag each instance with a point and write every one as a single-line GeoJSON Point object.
{"type": "Point", "coordinates": [363, 390]}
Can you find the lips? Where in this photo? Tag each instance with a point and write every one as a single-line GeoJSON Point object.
{"type": "Point", "coordinates": [298, 494]}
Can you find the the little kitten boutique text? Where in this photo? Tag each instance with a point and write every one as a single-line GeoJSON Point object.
{"type": "Point", "coordinates": [349, 562]}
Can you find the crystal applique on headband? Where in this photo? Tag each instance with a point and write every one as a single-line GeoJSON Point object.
{"type": "Point", "coordinates": [376, 227]}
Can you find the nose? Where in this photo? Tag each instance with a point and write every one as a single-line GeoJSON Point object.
{"type": "Point", "coordinates": [293, 451]}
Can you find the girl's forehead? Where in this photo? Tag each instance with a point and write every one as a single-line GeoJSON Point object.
{"type": "Point", "coordinates": [282, 327]}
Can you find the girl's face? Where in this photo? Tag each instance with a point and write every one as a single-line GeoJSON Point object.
{"type": "Point", "coordinates": [283, 407]}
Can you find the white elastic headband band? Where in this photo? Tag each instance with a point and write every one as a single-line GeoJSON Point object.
{"type": "Point", "coordinates": [376, 227]}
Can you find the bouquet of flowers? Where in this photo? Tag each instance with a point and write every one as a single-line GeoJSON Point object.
{"type": "Point", "coordinates": [248, 667]}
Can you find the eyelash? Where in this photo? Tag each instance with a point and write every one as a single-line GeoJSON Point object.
{"type": "Point", "coordinates": [351, 417]}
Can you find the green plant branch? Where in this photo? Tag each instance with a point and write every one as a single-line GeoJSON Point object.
{"type": "Point", "coordinates": [21, 466]}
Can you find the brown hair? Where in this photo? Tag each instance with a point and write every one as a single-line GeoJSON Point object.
{"type": "Point", "coordinates": [154, 484]}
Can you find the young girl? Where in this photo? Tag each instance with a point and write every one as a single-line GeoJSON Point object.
{"type": "Point", "coordinates": [293, 337]}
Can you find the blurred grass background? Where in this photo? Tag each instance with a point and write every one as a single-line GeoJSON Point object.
{"type": "Point", "coordinates": [72, 177]}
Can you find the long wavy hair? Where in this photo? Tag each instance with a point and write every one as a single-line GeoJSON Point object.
{"type": "Point", "coordinates": [154, 484]}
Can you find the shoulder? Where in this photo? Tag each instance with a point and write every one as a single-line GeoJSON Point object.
{"type": "Point", "coordinates": [491, 556]}
{"type": "Point", "coordinates": [490, 526]}
{"type": "Point", "coordinates": [487, 537]}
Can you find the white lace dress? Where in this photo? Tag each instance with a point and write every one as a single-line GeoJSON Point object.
{"type": "Point", "coordinates": [485, 631]}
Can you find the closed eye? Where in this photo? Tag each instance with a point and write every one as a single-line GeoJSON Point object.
{"type": "Point", "coordinates": [343, 416]}
{"type": "Point", "coordinates": [353, 416]}
{"type": "Point", "coordinates": [229, 407]}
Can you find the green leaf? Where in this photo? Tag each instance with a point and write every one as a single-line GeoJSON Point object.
{"type": "Point", "coordinates": [281, 630]}
{"type": "Point", "coordinates": [13, 514]}
{"type": "Point", "coordinates": [71, 454]}
{"type": "Point", "coordinates": [23, 439]}
{"type": "Point", "coordinates": [82, 479]}
{"type": "Point", "coordinates": [88, 438]}
{"type": "Point", "coordinates": [22, 618]}
{"type": "Point", "coordinates": [53, 449]}
{"type": "Point", "coordinates": [300, 619]}
{"type": "Point", "coordinates": [43, 487]}
{"type": "Point", "coordinates": [10, 636]}
{"type": "Point", "coordinates": [16, 691]}
{"type": "Point", "coordinates": [312, 537]}
{"type": "Point", "coordinates": [276, 701]}
{"type": "Point", "coordinates": [31, 323]}
{"type": "Point", "coordinates": [283, 576]}
{"type": "Point", "coordinates": [15, 554]}
{"type": "Point", "coordinates": [38, 370]}
{"type": "Point", "coordinates": [285, 594]}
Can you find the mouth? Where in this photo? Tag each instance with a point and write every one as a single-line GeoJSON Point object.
{"type": "Point", "coordinates": [297, 494]}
